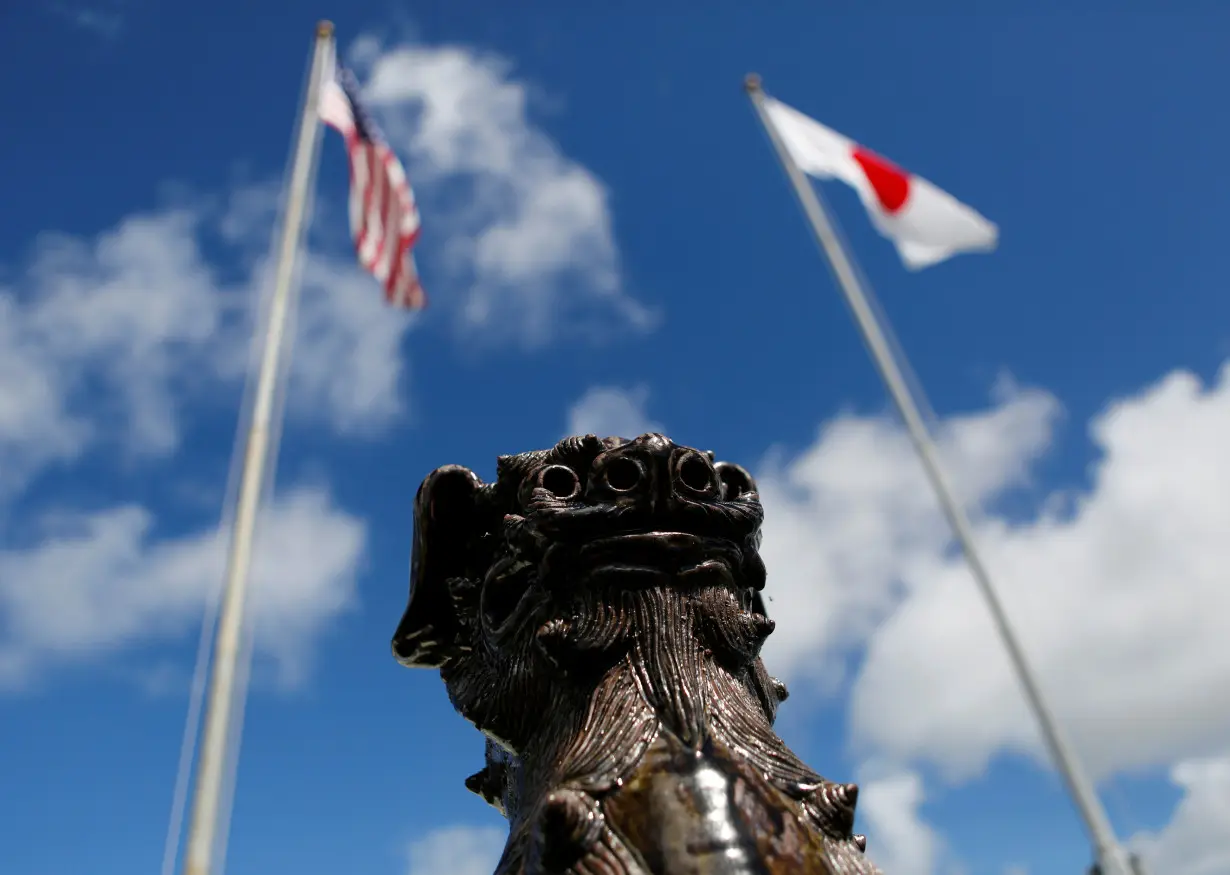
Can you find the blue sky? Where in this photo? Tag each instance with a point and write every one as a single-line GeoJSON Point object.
{"type": "Point", "coordinates": [610, 245]}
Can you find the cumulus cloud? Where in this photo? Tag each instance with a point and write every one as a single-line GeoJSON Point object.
{"type": "Point", "coordinates": [103, 340]}
{"type": "Point", "coordinates": [1196, 841]}
{"type": "Point", "coordinates": [96, 583]}
{"type": "Point", "coordinates": [609, 411]}
{"type": "Point", "coordinates": [1117, 592]}
{"type": "Point", "coordinates": [348, 365]}
{"type": "Point", "coordinates": [458, 850]}
{"type": "Point", "coordinates": [103, 19]}
{"type": "Point", "coordinates": [899, 841]}
{"type": "Point", "coordinates": [850, 515]}
{"type": "Point", "coordinates": [525, 230]}
{"type": "Point", "coordinates": [113, 323]}
{"type": "Point", "coordinates": [1119, 597]}
{"type": "Point", "coordinates": [113, 343]}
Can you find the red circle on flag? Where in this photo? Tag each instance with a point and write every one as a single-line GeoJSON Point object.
{"type": "Point", "coordinates": [890, 183]}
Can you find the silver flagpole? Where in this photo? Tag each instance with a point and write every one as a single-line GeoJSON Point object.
{"type": "Point", "coordinates": [1110, 856]}
{"type": "Point", "coordinates": [212, 766]}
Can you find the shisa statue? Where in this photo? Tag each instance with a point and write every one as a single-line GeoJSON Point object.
{"type": "Point", "coordinates": [596, 613]}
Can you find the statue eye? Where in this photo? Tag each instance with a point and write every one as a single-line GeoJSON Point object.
{"type": "Point", "coordinates": [694, 473]}
{"type": "Point", "coordinates": [560, 480]}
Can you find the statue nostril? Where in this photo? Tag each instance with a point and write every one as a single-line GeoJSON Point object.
{"type": "Point", "coordinates": [622, 474]}
{"type": "Point", "coordinates": [695, 474]}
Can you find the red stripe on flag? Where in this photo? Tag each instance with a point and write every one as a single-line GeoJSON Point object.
{"type": "Point", "coordinates": [385, 208]}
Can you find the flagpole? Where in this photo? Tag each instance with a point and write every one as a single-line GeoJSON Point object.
{"type": "Point", "coordinates": [1110, 855]}
{"type": "Point", "coordinates": [212, 765]}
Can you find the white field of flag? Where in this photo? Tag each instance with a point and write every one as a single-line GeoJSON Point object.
{"type": "Point", "coordinates": [926, 223]}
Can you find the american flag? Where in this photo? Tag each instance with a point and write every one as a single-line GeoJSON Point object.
{"type": "Point", "coordinates": [384, 219]}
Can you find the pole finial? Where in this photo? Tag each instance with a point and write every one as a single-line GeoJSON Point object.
{"type": "Point", "coordinates": [751, 83]}
{"type": "Point", "coordinates": [324, 29]}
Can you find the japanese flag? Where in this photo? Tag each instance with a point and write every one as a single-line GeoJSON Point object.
{"type": "Point", "coordinates": [926, 223]}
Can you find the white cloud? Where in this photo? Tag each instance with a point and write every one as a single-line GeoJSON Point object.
{"type": "Point", "coordinates": [94, 17]}
{"type": "Point", "coordinates": [348, 365]}
{"type": "Point", "coordinates": [1118, 594]}
{"type": "Point", "coordinates": [98, 583]}
{"type": "Point", "coordinates": [109, 323]}
{"type": "Point", "coordinates": [1120, 603]}
{"type": "Point", "coordinates": [111, 343]}
{"type": "Point", "coordinates": [458, 850]}
{"type": "Point", "coordinates": [249, 215]}
{"type": "Point", "coordinates": [848, 517]}
{"type": "Point", "coordinates": [609, 411]}
{"type": "Point", "coordinates": [105, 339]}
{"type": "Point", "coordinates": [524, 227]}
{"type": "Point", "coordinates": [898, 840]}
{"type": "Point", "coordinates": [1196, 841]}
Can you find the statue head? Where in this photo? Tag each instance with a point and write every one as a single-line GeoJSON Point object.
{"type": "Point", "coordinates": [527, 582]}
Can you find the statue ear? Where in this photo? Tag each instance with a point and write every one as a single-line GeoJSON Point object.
{"type": "Point", "coordinates": [758, 605]}
{"type": "Point", "coordinates": [735, 480]}
{"type": "Point", "coordinates": [444, 520]}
